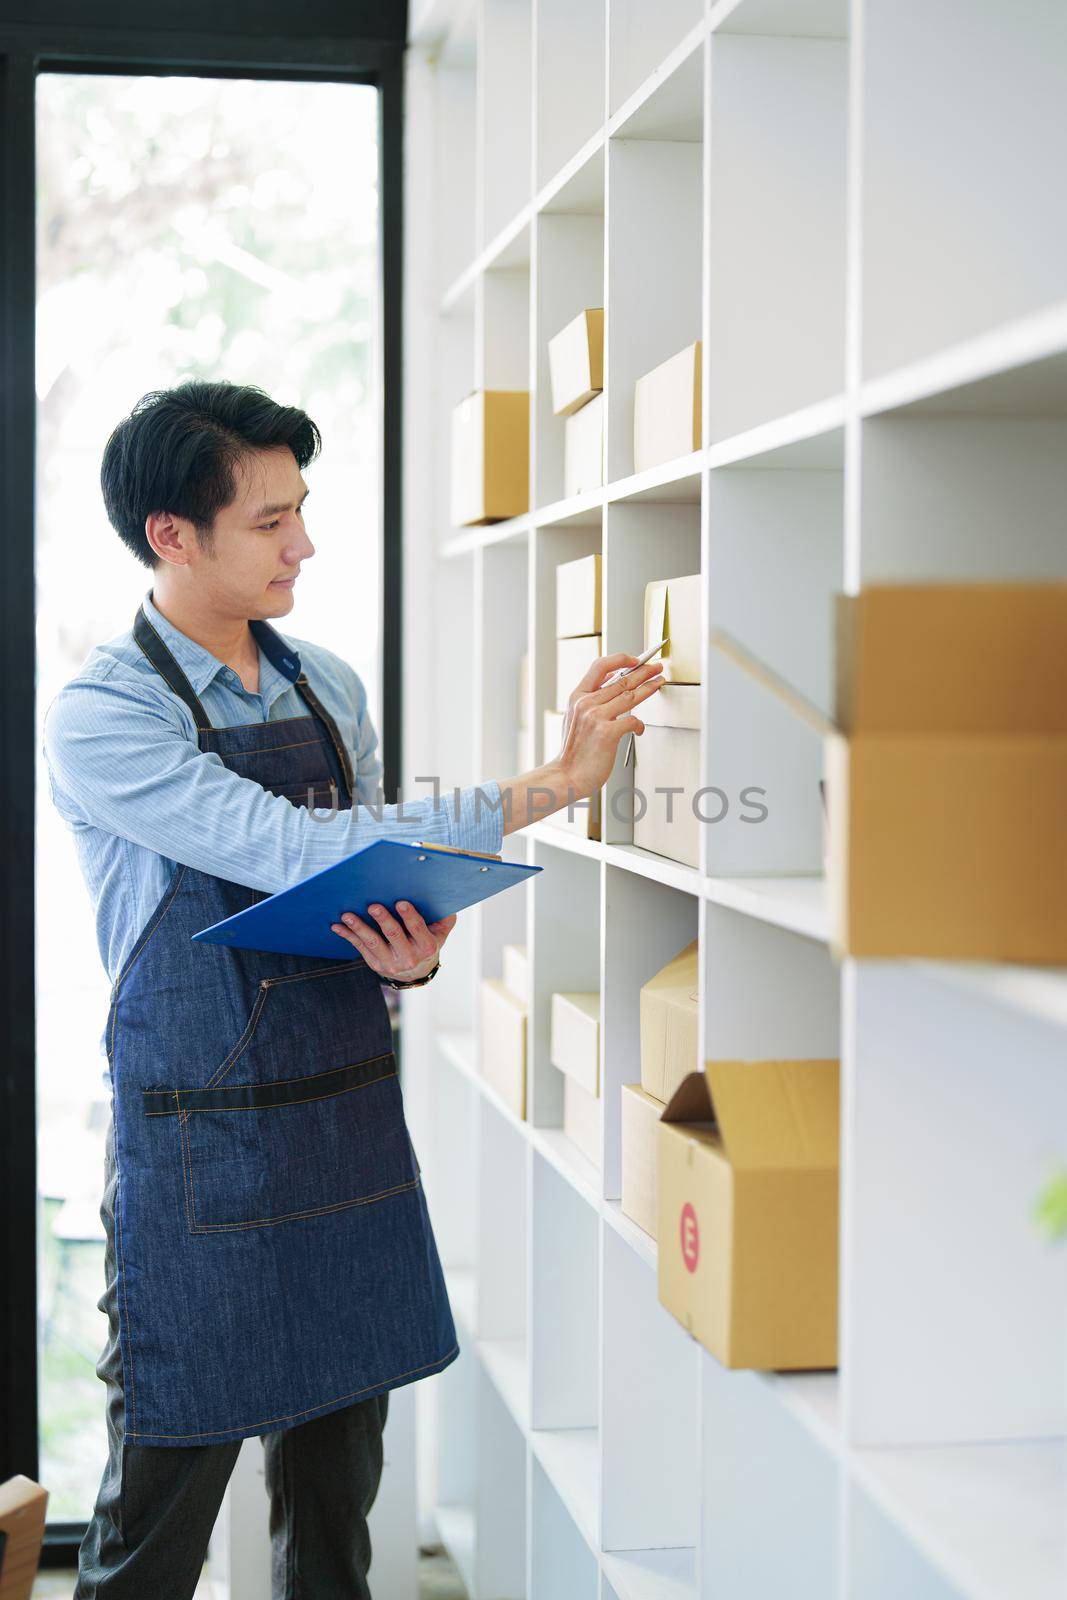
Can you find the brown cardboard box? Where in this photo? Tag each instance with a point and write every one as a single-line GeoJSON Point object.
{"type": "Point", "coordinates": [517, 972]}
{"type": "Point", "coordinates": [574, 657]}
{"type": "Point", "coordinates": [946, 768]}
{"type": "Point", "coordinates": [578, 596]}
{"type": "Point", "coordinates": [667, 755]}
{"type": "Point", "coordinates": [672, 612]}
{"type": "Point", "coordinates": [490, 456]}
{"type": "Point", "coordinates": [640, 1120]}
{"type": "Point", "coordinates": [667, 410]}
{"type": "Point", "coordinates": [585, 820]}
{"type": "Point", "coordinates": [574, 1036]}
{"type": "Point", "coordinates": [670, 1019]}
{"type": "Point", "coordinates": [576, 362]}
{"type": "Point", "coordinates": [583, 449]}
{"type": "Point", "coordinates": [581, 1119]}
{"type": "Point", "coordinates": [747, 1181]}
{"type": "Point", "coordinates": [503, 1043]}
{"type": "Point", "coordinates": [23, 1504]}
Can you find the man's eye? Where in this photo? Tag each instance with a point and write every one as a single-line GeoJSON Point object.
{"type": "Point", "coordinates": [268, 525]}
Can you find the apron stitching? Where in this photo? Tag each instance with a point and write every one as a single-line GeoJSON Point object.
{"type": "Point", "coordinates": [269, 749]}
{"type": "Point", "coordinates": [125, 1306]}
{"type": "Point", "coordinates": [316, 972]}
{"type": "Point", "coordinates": [244, 1041]}
{"type": "Point", "coordinates": [291, 1216]}
{"type": "Point", "coordinates": [124, 974]}
{"type": "Point", "coordinates": [309, 1410]}
{"type": "Point", "coordinates": [307, 1101]}
{"type": "Point", "coordinates": [270, 1083]}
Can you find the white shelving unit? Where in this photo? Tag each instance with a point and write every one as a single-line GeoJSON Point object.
{"type": "Point", "coordinates": [854, 206]}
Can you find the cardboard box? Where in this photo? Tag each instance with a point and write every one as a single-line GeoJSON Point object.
{"type": "Point", "coordinates": [576, 362]}
{"type": "Point", "coordinates": [672, 607]}
{"type": "Point", "coordinates": [670, 1024]}
{"type": "Point", "coordinates": [578, 596]}
{"type": "Point", "coordinates": [746, 1185]}
{"type": "Point", "coordinates": [490, 456]}
{"type": "Point", "coordinates": [640, 1120]}
{"type": "Point", "coordinates": [517, 972]}
{"type": "Point", "coordinates": [945, 768]}
{"type": "Point", "coordinates": [667, 410]}
{"type": "Point", "coordinates": [23, 1504]}
{"type": "Point", "coordinates": [574, 1037]}
{"type": "Point", "coordinates": [574, 657]}
{"type": "Point", "coordinates": [667, 755]}
{"type": "Point", "coordinates": [581, 1119]}
{"type": "Point", "coordinates": [503, 1043]}
{"type": "Point", "coordinates": [583, 449]}
{"type": "Point", "coordinates": [585, 820]}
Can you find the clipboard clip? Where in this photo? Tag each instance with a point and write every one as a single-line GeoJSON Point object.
{"type": "Point", "coordinates": [454, 850]}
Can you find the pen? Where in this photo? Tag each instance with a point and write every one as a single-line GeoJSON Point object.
{"type": "Point", "coordinates": [620, 672]}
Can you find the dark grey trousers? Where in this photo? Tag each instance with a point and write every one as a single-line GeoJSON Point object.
{"type": "Point", "coordinates": [157, 1505]}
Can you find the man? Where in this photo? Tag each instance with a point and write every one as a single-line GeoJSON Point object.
{"type": "Point", "coordinates": [270, 1268]}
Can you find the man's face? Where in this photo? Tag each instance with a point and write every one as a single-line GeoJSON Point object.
{"type": "Point", "coordinates": [260, 541]}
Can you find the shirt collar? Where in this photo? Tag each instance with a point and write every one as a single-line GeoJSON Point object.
{"type": "Point", "coordinates": [201, 666]}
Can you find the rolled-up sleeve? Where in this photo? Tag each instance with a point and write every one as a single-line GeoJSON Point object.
{"type": "Point", "coordinates": [119, 758]}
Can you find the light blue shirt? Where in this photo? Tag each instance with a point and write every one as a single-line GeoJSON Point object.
{"type": "Point", "coordinates": [139, 796]}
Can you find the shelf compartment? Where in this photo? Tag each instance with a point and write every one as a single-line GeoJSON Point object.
{"type": "Point", "coordinates": [766, 994]}
{"type": "Point", "coordinates": [650, 1575]}
{"type": "Point", "coordinates": [775, 542]}
{"type": "Point", "coordinates": [565, 1341]}
{"type": "Point", "coordinates": [561, 1560]}
{"type": "Point", "coordinates": [653, 293]}
{"type": "Point", "coordinates": [649, 1412]}
{"type": "Point", "coordinates": [570, 80]}
{"type": "Point", "coordinates": [645, 926]}
{"type": "Point", "coordinates": [505, 87]}
{"type": "Point", "coordinates": [776, 337]}
{"type": "Point", "coordinates": [500, 1501]}
{"type": "Point", "coordinates": [641, 41]}
{"type": "Point", "coordinates": [956, 245]}
{"type": "Point", "coordinates": [937, 493]}
{"type": "Point", "coordinates": [763, 1469]}
{"type": "Point", "coordinates": [643, 543]}
{"type": "Point", "coordinates": [954, 1332]}
{"type": "Point", "coordinates": [570, 279]}
{"type": "Point", "coordinates": [988, 1517]}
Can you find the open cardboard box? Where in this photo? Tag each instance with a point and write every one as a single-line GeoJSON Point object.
{"type": "Point", "coordinates": [945, 768]}
{"type": "Point", "coordinates": [672, 612]}
{"type": "Point", "coordinates": [747, 1210]}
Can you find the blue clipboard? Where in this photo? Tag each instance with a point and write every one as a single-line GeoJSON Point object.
{"type": "Point", "coordinates": [437, 879]}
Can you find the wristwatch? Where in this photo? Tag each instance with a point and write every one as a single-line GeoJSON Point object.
{"type": "Point", "coordinates": [413, 983]}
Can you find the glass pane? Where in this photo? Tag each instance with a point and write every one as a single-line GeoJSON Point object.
{"type": "Point", "coordinates": [187, 227]}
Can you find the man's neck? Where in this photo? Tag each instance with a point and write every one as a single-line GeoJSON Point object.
{"type": "Point", "coordinates": [232, 642]}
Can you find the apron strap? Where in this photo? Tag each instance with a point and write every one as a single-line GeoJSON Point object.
{"type": "Point", "coordinates": [331, 727]}
{"type": "Point", "coordinates": [275, 648]}
{"type": "Point", "coordinates": [169, 670]}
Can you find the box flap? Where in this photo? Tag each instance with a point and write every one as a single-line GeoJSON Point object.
{"type": "Point", "coordinates": [952, 658]}
{"type": "Point", "coordinates": [781, 1114]}
{"type": "Point", "coordinates": [691, 1102]}
{"type": "Point", "coordinates": [744, 658]}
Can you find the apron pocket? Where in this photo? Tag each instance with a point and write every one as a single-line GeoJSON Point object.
{"type": "Point", "coordinates": [255, 1154]}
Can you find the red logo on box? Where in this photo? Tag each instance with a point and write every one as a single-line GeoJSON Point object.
{"type": "Point", "coordinates": [689, 1233]}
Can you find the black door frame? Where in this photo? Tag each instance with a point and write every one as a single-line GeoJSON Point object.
{"type": "Point", "coordinates": [349, 41]}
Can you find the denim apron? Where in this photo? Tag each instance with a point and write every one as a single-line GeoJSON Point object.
{"type": "Point", "coordinates": [275, 1259]}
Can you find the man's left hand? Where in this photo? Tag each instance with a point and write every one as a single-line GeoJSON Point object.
{"type": "Point", "coordinates": [406, 948]}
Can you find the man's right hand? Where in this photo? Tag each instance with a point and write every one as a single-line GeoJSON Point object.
{"type": "Point", "coordinates": [599, 715]}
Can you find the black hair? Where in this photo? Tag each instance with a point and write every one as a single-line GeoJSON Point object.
{"type": "Point", "coordinates": [178, 448]}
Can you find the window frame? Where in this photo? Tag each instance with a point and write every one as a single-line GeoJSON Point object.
{"type": "Point", "coordinates": [323, 41]}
